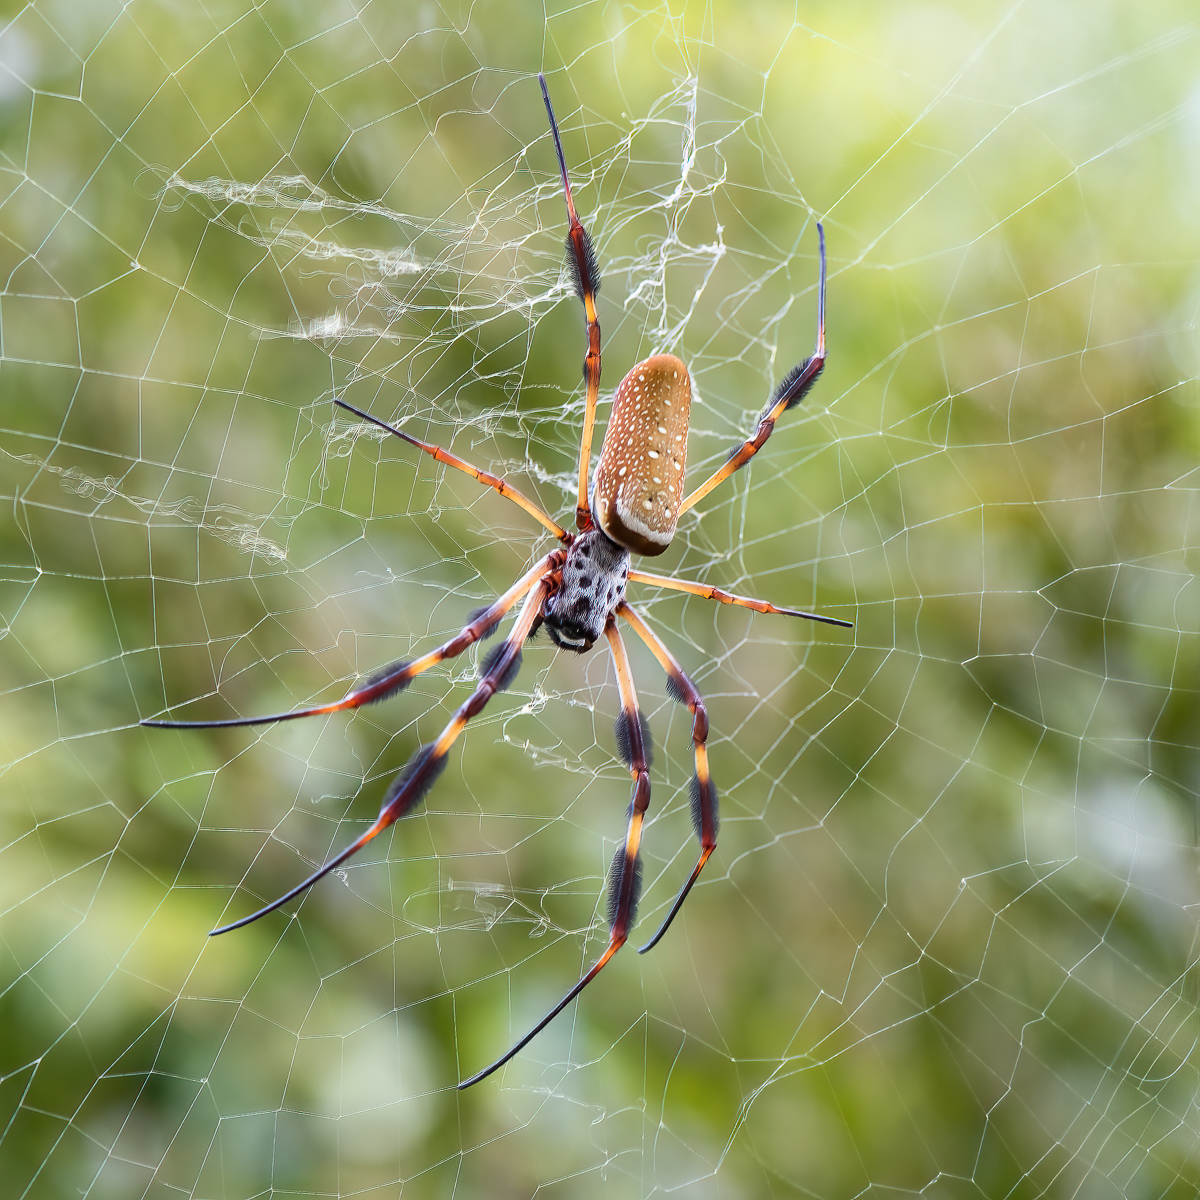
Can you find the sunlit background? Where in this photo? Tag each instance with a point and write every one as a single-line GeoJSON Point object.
{"type": "Point", "coordinates": [946, 945]}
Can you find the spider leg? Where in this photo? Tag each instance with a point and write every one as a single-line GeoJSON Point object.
{"type": "Point", "coordinates": [712, 593]}
{"type": "Point", "coordinates": [452, 460]}
{"type": "Point", "coordinates": [387, 681]}
{"type": "Point", "coordinates": [409, 787]}
{"type": "Point", "coordinates": [625, 875]}
{"type": "Point", "coordinates": [792, 389]}
{"type": "Point", "coordinates": [586, 274]}
{"type": "Point", "coordinates": [704, 791]}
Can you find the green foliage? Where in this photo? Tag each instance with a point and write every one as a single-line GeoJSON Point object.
{"type": "Point", "coordinates": [945, 945]}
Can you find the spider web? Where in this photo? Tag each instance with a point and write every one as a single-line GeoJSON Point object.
{"type": "Point", "coordinates": [946, 945]}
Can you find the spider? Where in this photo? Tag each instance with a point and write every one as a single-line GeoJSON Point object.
{"type": "Point", "coordinates": [577, 592]}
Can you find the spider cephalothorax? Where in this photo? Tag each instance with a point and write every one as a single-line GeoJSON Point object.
{"type": "Point", "coordinates": [578, 591]}
{"type": "Point", "coordinates": [591, 590]}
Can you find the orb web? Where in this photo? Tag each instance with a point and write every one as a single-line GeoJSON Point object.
{"type": "Point", "coordinates": [945, 944]}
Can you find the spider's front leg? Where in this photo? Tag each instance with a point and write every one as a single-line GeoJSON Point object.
{"type": "Point", "coordinates": [395, 677]}
{"type": "Point", "coordinates": [500, 667]}
{"type": "Point", "coordinates": [625, 875]}
{"type": "Point", "coordinates": [704, 791]}
{"type": "Point", "coordinates": [636, 751]}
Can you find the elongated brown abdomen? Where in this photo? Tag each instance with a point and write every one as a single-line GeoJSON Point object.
{"type": "Point", "coordinates": [639, 481]}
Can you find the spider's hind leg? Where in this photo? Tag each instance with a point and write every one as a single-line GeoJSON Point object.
{"type": "Point", "coordinates": [585, 273]}
{"type": "Point", "coordinates": [794, 386]}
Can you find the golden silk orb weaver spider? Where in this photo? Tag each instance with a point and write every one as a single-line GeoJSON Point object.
{"type": "Point", "coordinates": [577, 592]}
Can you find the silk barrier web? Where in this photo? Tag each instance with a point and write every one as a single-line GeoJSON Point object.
{"type": "Point", "coordinates": [946, 946]}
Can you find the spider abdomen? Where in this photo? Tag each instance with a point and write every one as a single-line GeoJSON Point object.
{"type": "Point", "coordinates": [639, 480]}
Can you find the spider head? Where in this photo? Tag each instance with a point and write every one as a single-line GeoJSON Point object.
{"type": "Point", "coordinates": [569, 637]}
{"type": "Point", "coordinates": [593, 585]}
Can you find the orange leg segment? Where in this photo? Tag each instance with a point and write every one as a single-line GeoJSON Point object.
{"type": "Point", "coordinates": [452, 460]}
{"type": "Point", "coordinates": [712, 593]}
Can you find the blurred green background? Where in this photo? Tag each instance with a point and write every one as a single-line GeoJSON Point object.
{"type": "Point", "coordinates": [946, 946]}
